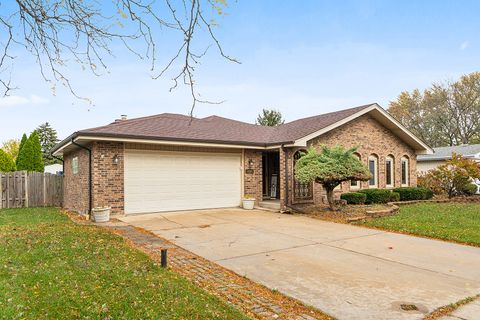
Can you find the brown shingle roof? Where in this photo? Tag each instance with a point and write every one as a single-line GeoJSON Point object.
{"type": "Point", "coordinates": [214, 129]}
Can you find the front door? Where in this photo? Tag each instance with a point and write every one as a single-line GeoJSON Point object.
{"type": "Point", "coordinates": [271, 175]}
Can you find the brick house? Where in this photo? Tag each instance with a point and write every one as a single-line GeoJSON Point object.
{"type": "Point", "coordinates": [171, 162]}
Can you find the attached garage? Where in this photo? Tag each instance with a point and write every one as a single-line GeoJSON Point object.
{"type": "Point", "coordinates": [158, 181]}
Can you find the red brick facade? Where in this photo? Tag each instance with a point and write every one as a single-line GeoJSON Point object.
{"type": "Point", "coordinates": [75, 186]}
{"type": "Point", "coordinates": [108, 165]}
{"type": "Point", "coordinates": [107, 177]}
{"type": "Point", "coordinates": [371, 138]}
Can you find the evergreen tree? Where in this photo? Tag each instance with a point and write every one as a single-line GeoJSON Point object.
{"type": "Point", "coordinates": [6, 162]}
{"type": "Point", "coordinates": [48, 139]}
{"type": "Point", "coordinates": [270, 118]}
{"type": "Point", "coordinates": [22, 143]}
{"type": "Point", "coordinates": [30, 156]}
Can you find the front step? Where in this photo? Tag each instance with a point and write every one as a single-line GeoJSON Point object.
{"type": "Point", "coordinates": [272, 205]}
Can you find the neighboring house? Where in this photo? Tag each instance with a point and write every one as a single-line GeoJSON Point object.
{"type": "Point", "coordinates": [54, 169]}
{"type": "Point", "coordinates": [440, 155]}
{"type": "Point", "coordinates": [171, 162]}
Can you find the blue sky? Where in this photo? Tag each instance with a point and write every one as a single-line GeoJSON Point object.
{"type": "Point", "coordinates": [300, 57]}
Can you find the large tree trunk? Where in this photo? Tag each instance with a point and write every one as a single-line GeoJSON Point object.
{"type": "Point", "coordinates": [330, 199]}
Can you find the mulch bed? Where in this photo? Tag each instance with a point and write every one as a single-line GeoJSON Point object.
{"type": "Point", "coordinates": [346, 214]}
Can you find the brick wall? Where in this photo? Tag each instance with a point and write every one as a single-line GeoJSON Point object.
{"type": "Point", "coordinates": [371, 138]}
{"type": "Point", "coordinates": [253, 174]}
{"type": "Point", "coordinates": [75, 186]}
{"type": "Point", "coordinates": [108, 177]}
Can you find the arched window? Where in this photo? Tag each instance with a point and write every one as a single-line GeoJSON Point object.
{"type": "Point", "coordinates": [301, 191]}
{"type": "Point", "coordinates": [389, 172]}
{"type": "Point", "coordinates": [355, 184]}
{"type": "Point", "coordinates": [405, 166]}
{"type": "Point", "coordinates": [373, 167]}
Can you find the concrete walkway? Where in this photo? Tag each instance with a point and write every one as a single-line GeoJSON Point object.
{"type": "Point", "coordinates": [349, 272]}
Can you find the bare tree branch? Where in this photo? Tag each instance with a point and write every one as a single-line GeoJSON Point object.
{"type": "Point", "coordinates": [61, 32]}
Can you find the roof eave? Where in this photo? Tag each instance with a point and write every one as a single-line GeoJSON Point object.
{"type": "Point", "coordinates": [91, 136]}
{"type": "Point", "coordinates": [417, 144]}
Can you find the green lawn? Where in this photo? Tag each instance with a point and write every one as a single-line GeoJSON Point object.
{"type": "Point", "coordinates": [448, 221]}
{"type": "Point", "coordinates": [52, 268]}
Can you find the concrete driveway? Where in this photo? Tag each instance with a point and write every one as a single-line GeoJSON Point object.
{"type": "Point", "coordinates": [349, 272]}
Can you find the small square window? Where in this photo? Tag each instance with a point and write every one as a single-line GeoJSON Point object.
{"type": "Point", "coordinates": [75, 165]}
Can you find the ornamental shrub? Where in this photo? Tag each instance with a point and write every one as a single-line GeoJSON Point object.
{"type": "Point", "coordinates": [6, 162]}
{"type": "Point", "coordinates": [377, 195]}
{"type": "Point", "coordinates": [354, 197]}
{"type": "Point", "coordinates": [414, 193]}
{"type": "Point", "coordinates": [330, 167]}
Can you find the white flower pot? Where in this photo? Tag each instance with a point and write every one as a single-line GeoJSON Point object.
{"type": "Point", "coordinates": [101, 214]}
{"type": "Point", "coordinates": [248, 204]}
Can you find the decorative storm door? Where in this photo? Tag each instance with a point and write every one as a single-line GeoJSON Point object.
{"type": "Point", "coordinates": [302, 192]}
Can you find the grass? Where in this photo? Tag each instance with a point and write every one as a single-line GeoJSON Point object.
{"type": "Point", "coordinates": [458, 222]}
{"type": "Point", "coordinates": [52, 268]}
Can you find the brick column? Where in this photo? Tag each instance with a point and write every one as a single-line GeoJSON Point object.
{"type": "Point", "coordinates": [108, 175]}
{"type": "Point", "coordinates": [252, 172]}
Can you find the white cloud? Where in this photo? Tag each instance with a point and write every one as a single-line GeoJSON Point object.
{"type": "Point", "coordinates": [464, 45]}
{"type": "Point", "coordinates": [38, 100]}
{"type": "Point", "coordinates": [10, 101]}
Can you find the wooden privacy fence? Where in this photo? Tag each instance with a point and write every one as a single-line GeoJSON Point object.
{"type": "Point", "coordinates": [34, 189]}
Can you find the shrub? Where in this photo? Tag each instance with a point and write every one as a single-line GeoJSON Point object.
{"type": "Point", "coordinates": [432, 183]}
{"type": "Point", "coordinates": [377, 195]}
{"type": "Point", "coordinates": [394, 197]}
{"type": "Point", "coordinates": [455, 174]}
{"type": "Point", "coordinates": [354, 197]}
{"type": "Point", "coordinates": [414, 193]}
{"type": "Point", "coordinates": [469, 189]}
{"type": "Point", "coordinates": [6, 162]}
{"type": "Point", "coordinates": [427, 193]}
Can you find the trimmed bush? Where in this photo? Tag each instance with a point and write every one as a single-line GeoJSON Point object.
{"type": "Point", "coordinates": [428, 193]}
{"type": "Point", "coordinates": [414, 193]}
{"type": "Point", "coordinates": [377, 195]}
{"type": "Point", "coordinates": [6, 162]}
{"type": "Point", "coordinates": [394, 197]}
{"type": "Point", "coordinates": [354, 197]}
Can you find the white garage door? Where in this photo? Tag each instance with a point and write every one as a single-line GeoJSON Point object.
{"type": "Point", "coordinates": [168, 181]}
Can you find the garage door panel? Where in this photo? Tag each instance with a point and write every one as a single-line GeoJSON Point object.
{"type": "Point", "coordinates": [168, 181]}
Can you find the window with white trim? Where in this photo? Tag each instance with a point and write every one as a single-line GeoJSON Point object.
{"type": "Point", "coordinates": [389, 172]}
{"type": "Point", "coordinates": [373, 167]}
{"type": "Point", "coordinates": [75, 165]}
{"type": "Point", "coordinates": [355, 184]}
{"type": "Point", "coordinates": [405, 171]}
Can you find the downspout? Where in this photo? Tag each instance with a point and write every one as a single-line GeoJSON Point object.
{"type": "Point", "coordinates": [89, 173]}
